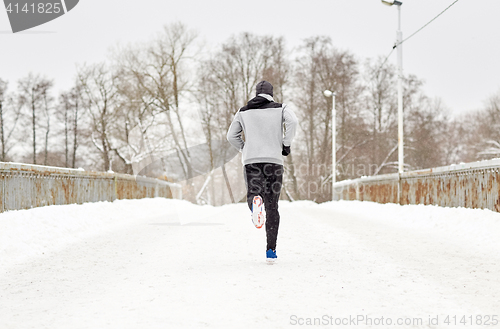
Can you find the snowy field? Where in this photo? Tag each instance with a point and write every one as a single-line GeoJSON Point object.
{"type": "Point", "coordinates": [158, 263]}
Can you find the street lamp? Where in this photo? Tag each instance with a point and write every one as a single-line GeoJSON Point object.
{"type": "Point", "coordinates": [391, 2]}
{"type": "Point", "coordinates": [399, 39]}
{"type": "Point", "coordinates": [331, 94]}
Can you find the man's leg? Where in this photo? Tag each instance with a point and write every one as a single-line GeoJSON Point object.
{"type": "Point", "coordinates": [254, 181]}
{"type": "Point", "coordinates": [274, 178]}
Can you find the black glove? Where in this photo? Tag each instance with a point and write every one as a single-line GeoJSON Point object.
{"type": "Point", "coordinates": [286, 150]}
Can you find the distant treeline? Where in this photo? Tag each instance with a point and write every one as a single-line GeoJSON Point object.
{"type": "Point", "coordinates": [170, 93]}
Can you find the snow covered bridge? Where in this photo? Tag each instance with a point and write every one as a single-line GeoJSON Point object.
{"type": "Point", "coordinates": [158, 263]}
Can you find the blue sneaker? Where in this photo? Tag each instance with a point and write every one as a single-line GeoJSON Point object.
{"type": "Point", "coordinates": [271, 256]}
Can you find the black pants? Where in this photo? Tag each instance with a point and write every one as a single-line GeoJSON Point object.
{"type": "Point", "coordinates": [265, 179]}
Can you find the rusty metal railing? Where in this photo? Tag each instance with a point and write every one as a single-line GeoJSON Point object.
{"type": "Point", "coordinates": [470, 185]}
{"type": "Point", "coordinates": [25, 186]}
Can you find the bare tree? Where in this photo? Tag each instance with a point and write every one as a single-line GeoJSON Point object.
{"type": "Point", "coordinates": [158, 71]}
{"type": "Point", "coordinates": [235, 69]}
{"type": "Point", "coordinates": [338, 71]}
{"type": "Point", "coordinates": [47, 103]}
{"type": "Point", "coordinates": [426, 128]}
{"type": "Point", "coordinates": [69, 114]}
{"type": "Point", "coordinates": [426, 124]}
{"type": "Point", "coordinates": [9, 117]}
{"type": "Point", "coordinates": [65, 108]}
{"type": "Point", "coordinates": [228, 78]}
{"type": "Point", "coordinates": [312, 107]}
{"type": "Point", "coordinates": [381, 104]}
{"type": "Point", "coordinates": [99, 98]}
{"type": "Point", "coordinates": [136, 116]}
{"type": "Point", "coordinates": [34, 96]}
{"type": "Point", "coordinates": [485, 135]}
{"type": "Point", "coordinates": [320, 66]}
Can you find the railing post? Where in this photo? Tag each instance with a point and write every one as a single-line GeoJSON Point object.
{"type": "Point", "coordinates": [400, 188]}
{"type": "Point", "coordinates": [3, 192]}
{"type": "Point", "coordinates": [116, 187]}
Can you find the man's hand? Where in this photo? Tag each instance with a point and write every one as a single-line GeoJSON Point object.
{"type": "Point", "coordinates": [286, 150]}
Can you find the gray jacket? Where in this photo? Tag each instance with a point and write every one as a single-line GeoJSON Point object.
{"type": "Point", "coordinates": [261, 121]}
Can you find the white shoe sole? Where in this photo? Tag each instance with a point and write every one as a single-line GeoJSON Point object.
{"type": "Point", "coordinates": [258, 215]}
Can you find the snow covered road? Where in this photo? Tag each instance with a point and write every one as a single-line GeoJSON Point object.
{"type": "Point", "coordinates": [158, 263]}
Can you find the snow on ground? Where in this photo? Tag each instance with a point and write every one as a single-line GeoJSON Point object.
{"type": "Point", "coordinates": [158, 263]}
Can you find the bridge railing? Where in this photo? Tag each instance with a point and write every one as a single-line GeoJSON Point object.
{"type": "Point", "coordinates": [25, 186]}
{"type": "Point", "coordinates": [469, 185]}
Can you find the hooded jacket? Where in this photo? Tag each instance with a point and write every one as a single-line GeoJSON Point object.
{"type": "Point", "coordinates": [261, 121]}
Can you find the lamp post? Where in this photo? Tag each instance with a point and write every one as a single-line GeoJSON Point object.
{"type": "Point", "coordinates": [331, 94]}
{"type": "Point", "coordinates": [399, 46]}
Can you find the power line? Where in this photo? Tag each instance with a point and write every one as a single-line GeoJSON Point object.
{"type": "Point", "coordinates": [420, 29]}
{"type": "Point", "coordinates": [385, 60]}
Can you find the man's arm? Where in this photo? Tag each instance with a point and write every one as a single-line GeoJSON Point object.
{"type": "Point", "coordinates": [234, 133]}
{"type": "Point", "coordinates": [290, 121]}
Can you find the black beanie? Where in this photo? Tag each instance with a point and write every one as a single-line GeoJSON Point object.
{"type": "Point", "coordinates": [264, 87]}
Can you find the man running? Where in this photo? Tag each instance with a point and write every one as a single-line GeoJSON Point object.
{"type": "Point", "coordinates": [263, 148]}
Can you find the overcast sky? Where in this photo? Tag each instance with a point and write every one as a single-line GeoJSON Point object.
{"type": "Point", "coordinates": [458, 56]}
